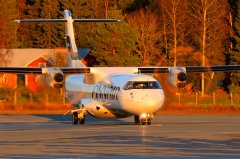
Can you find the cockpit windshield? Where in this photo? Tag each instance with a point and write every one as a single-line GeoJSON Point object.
{"type": "Point", "coordinates": [142, 85]}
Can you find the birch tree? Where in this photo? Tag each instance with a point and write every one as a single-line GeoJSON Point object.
{"type": "Point", "coordinates": [147, 25]}
{"type": "Point", "coordinates": [174, 20]}
{"type": "Point", "coordinates": [207, 20]}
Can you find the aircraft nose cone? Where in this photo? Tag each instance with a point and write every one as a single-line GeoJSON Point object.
{"type": "Point", "coordinates": [150, 102]}
{"type": "Point", "coordinates": [143, 101]}
{"type": "Point", "coordinates": [149, 99]}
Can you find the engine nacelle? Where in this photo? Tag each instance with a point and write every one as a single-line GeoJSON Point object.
{"type": "Point", "coordinates": [54, 77]}
{"type": "Point", "coordinates": [177, 76]}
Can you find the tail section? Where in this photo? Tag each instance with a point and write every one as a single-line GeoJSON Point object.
{"type": "Point", "coordinates": [74, 58]}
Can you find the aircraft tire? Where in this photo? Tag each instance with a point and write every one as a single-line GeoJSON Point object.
{"type": "Point", "coordinates": [74, 118]}
{"type": "Point", "coordinates": [146, 122]}
{"type": "Point", "coordinates": [143, 123]}
{"type": "Point", "coordinates": [136, 119]}
{"type": "Point", "coordinates": [82, 120]}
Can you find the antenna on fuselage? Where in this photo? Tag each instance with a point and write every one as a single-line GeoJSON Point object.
{"type": "Point", "coordinates": [69, 33]}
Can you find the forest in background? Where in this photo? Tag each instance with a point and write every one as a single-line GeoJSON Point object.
{"type": "Point", "coordinates": [152, 32]}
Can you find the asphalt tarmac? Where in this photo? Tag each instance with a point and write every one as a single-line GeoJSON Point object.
{"type": "Point", "coordinates": [169, 136]}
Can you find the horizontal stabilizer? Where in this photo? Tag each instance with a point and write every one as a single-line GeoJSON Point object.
{"type": "Point", "coordinates": [96, 20]}
{"type": "Point", "coordinates": [41, 20]}
{"type": "Point", "coordinates": [65, 20]}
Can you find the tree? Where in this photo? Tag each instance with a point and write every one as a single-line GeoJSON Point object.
{"type": "Point", "coordinates": [8, 40]}
{"type": "Point", "coordinates": [207, 20]}
{"type": "Point", "coordinates": [134, 5]}
{"type": "Point", "coordinates": [45, 35]}
{"type": "Point", "coordinates": [92, 9]}
{"type": "Point", "coordinates": [148, 34]}
{"type": "Point", "coordinates": [174, 16]}
{"type": "Point", "coordinates": [22, 30]}
{"type": "Point", "coordinates": [111, 43]}
{"type": "Point", "coordinates": [53, 32]}
{"type": "Point", "coordinates": [124, 4]}
{"type": "Point", "coordinates": [234, 53]}
{"type": "Point", "coordinates": [21, 6]}
{"type": "Point", "coordinates": [8, 13]}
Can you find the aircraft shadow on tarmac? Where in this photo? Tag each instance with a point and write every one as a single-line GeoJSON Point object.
{"type": "Point", "coordinates": [67, 119]}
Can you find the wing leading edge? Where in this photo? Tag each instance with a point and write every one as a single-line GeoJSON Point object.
{"type": "Point", "coordinates": [160, 70]}
{"type": "Point", "coordinates": [191, 69]}
{"type": "Point", "coordinates": [223, 68]}
{"type": "Point", "coordinates": [39, 70]}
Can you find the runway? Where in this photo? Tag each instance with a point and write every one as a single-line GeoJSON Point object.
{"type": "Point", "coordinates": [169, 136]}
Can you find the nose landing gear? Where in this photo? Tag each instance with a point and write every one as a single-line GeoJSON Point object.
{"type": "Point", "coordinates": [143, 119]}
{"type": "Point", "coordinates": [146, 121]}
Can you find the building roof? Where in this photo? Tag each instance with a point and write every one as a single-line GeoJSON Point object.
{"type": "Point", "coordinates": [83, 52]}
{"type": "Point", "coordinates": [22, 57]}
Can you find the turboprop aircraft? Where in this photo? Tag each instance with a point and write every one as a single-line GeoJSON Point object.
{"type": "Point", "coordinates": [109, 92]}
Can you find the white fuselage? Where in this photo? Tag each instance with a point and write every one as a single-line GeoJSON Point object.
{"type": "Point", "coordinates": [115, 95]}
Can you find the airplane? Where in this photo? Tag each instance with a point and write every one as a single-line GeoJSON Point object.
{"type": "Point", "coordinates": [109, 92]}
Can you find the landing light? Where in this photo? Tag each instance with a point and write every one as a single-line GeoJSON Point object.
{"type": "Point", "coordinates": [143, 116]}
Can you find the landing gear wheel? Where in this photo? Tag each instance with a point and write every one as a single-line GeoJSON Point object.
{"type": "Point", "coordinates": [74, 118]}
{"type": "Point", "coordinates": [136, 119]}
{"type": "Point", "coordinates": [146, 122]}
{"type": "Point", "coordinates": [82, 120]}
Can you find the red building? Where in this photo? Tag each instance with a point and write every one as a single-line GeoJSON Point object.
{"type": "Point", "coordinates": [26, 58]}
{"type": "Point", "coordinates": [35, 58]}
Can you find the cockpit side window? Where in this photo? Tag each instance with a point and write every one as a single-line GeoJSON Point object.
{"type": "Point", "coordinates": [129, 85]}
{"type": "Point", "coordinates": [142, 85]}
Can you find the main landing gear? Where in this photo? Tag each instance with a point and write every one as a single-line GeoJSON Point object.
{"type": "Point", "coordinates": [136, 119]}
{"type": "Point", "coordinates": [143, 119]}
{"type": "Point", "coordinates": [78, 116]}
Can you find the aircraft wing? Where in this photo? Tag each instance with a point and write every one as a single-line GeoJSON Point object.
{"type": "Point", "coordinates": [189, 69]}
{"type": "Point", "coordinates": [40, 70]}
{"type": "Point", "coordinates": [69, 70]}
{"type": "Point", "coordinates": [224, 68]}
